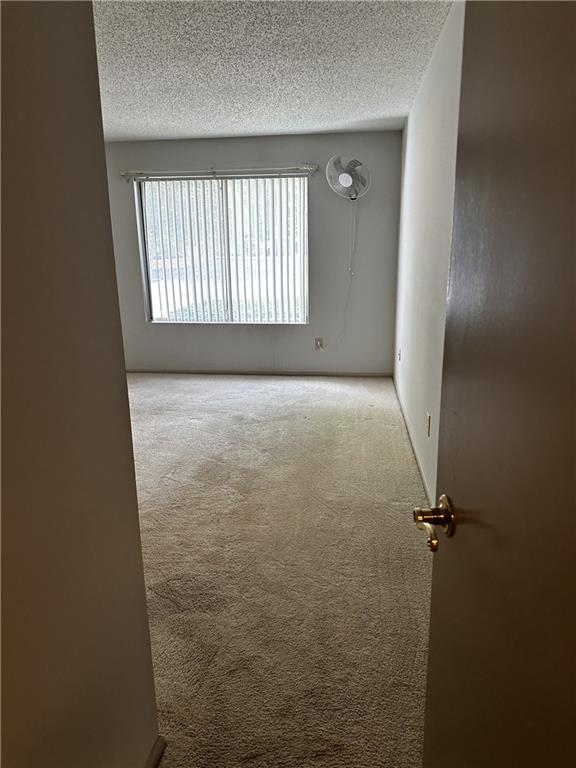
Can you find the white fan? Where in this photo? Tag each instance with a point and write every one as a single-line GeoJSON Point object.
{"type": "Point", "coordinates": [348, 177]}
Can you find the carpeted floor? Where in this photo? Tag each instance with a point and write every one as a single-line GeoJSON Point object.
{"type": "Point", "coordinates": [288, 587]}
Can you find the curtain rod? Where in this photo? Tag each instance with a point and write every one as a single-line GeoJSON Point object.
{"type": "Point", "coordinates": [212, 173]}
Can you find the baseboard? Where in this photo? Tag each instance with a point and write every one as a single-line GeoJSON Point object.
{"type": "Point", "coordinates": [156, 753]}
{"type": "Point", "coordinates": [339, 374]}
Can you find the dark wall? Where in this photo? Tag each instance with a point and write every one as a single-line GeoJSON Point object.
{"type": "Point", "coordinates": [77, 677]}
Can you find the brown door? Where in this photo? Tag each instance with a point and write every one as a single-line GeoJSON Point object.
{"type": "Point", "coordinates": [502, 664]}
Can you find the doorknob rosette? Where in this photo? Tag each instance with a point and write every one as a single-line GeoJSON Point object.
{"type": "Point", "coordinates": [442, 516]}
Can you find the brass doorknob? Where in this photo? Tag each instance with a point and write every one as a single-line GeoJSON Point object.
{"type": "Point", "coordinates": [442, 515]}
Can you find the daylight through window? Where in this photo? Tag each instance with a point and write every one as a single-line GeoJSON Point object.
{"type": "Point", "coordinates": [228, 250]}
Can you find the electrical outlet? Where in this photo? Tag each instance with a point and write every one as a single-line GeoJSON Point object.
{"type": "Point", "coordinates": [318, 343]}
{"type": "Point", "coordinates": [428, 423]}
{"type": "Point", "coordinates": [399, 354]}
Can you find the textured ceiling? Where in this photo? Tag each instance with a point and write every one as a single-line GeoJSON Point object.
{"type": "Point", "coordinates": [193, 69]}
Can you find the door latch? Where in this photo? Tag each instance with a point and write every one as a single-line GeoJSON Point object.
{"type": "Point", "coordinates": [442, 516]}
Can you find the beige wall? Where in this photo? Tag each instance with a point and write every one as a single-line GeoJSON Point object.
{"type": "Point", "coordinates": [425, 238]}
{"type": "Point", "coordinates": [77, 676]}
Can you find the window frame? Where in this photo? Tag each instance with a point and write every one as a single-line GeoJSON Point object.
{"type": "Point", "coordinates": [138, 179]}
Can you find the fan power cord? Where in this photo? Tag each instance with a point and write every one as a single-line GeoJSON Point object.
{"type": "Point", "coordinates": [352, 240]}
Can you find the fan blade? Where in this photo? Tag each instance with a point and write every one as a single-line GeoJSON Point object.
{"type": "Point", "coordinates": [344, 191]}
{"type": "Point", "coordinates": [337, 165]}
{"type": "Point", "coordinates": [352, 165]}
{"type": "Point", "coordinates": [357, 178]}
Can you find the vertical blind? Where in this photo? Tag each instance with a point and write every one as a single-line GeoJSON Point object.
{"type": "Point", "coordinates": [228, 250]}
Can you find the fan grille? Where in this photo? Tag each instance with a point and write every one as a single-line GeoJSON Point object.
{"type": "Point", "coordinates": [348, 176]}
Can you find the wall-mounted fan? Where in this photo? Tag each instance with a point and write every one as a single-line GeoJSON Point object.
{"type": "Point", "coordinates": [348, 177]}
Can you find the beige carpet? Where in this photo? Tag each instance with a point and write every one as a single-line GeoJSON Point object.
{"type": "Point", "coordinates": [288, 587]}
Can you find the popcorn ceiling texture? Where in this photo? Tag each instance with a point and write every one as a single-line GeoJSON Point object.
{"type": "Point", "coordinates": [198, 69]}
{"type": "Point", "coordinates": [288, 588]}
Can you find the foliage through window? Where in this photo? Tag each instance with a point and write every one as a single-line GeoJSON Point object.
{"type": "Point", "coordinates": [225, 250]}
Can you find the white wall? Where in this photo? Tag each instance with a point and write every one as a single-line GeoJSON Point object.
{"type": "Point", "coordinates": [367, 345]}
{"type": "Point", "coordinates": [77, 687]}
{"type": "Point", "coordinates": [425, 238]}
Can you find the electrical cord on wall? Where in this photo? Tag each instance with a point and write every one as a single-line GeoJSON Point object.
{"type": "Point", "coordinates": [352, 242]}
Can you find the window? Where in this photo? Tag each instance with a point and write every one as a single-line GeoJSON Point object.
{"type": "Point", "coordinates": [225, 250]}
